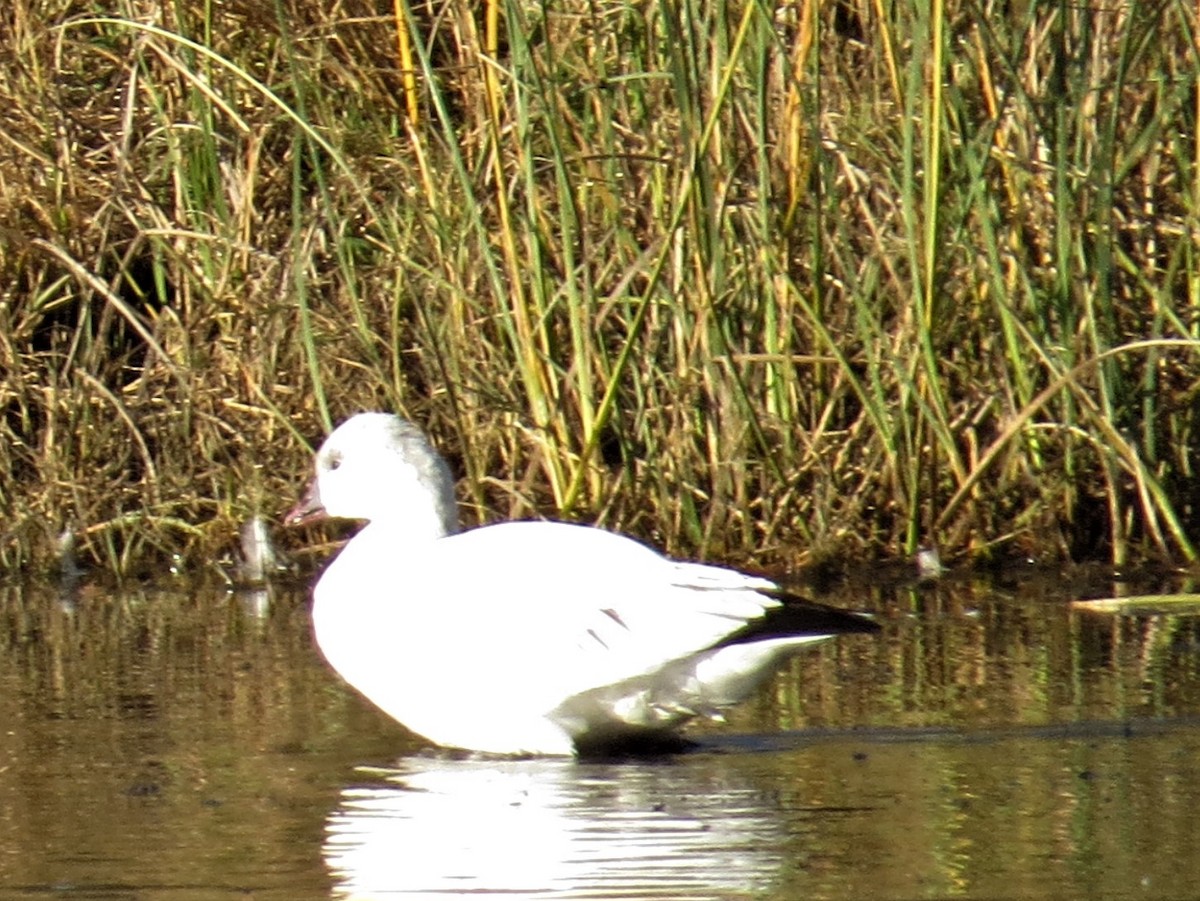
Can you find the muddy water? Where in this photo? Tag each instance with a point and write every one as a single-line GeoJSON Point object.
{"type": "Point", "coordinates": [994, 742]}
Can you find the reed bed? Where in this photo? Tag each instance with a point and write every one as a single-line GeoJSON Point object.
{"type": "Point", "coordinates": [794, 283]}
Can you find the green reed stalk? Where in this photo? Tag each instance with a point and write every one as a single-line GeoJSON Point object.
{"type": "Point", "coordinates": [724, 276]}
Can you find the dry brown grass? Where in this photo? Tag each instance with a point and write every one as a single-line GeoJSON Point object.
{"type": "Point", "coordinates": [619, 276]}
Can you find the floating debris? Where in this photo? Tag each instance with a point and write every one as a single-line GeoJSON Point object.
{"type": "Point", "coordinates": [259, 558]}
{"type": "Point", "coordinates": [929, 564]}
{"type": "Point", "coordinates": [69, 570]}
{"type": "Point", "coordinates": [1184, 604]}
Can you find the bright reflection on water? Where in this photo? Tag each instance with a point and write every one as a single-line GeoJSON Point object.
{"type": "Point", "coordinates": [554, 829]}
{"type": "Point", "coordinates": [993, 742]}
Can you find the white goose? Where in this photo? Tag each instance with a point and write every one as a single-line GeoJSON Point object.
{"type": "Point", "coordinates": [528, 637]}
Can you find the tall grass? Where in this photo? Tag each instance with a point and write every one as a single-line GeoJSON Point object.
{"type": "Point", "coordinates": [789, 283]}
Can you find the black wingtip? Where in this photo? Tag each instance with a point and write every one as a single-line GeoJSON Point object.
{"type": "Point", "coordinates": [799, 617]}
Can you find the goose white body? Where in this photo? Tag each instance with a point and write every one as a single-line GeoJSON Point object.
{"type": "Point", "coordinates": [525, 637]}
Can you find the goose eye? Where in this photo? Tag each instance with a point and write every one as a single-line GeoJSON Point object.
{"type": "Point", "coordinates": [332, 462]}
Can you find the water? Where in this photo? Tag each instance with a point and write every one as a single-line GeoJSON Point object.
{"type": "Point", "coordinates": [994, 742]}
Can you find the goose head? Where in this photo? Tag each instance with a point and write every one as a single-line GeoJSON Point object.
{"type": "Point", "coordinates": [380, 468]}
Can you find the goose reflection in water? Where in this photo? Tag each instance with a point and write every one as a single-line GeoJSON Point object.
{"type": "Point", "coordinates": [441, 827]}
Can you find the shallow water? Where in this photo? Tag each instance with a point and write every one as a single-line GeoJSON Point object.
{"type": "Point", "coordinates": [993, 742]}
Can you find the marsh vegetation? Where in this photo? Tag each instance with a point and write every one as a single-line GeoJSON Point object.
{"type": "Point", "coordinates": [800, 281]}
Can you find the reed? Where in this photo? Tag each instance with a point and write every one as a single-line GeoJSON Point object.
{"type": "Point", "coordinates": [791, 284]}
